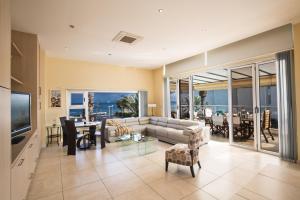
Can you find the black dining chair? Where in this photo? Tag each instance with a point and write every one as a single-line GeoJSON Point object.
{"type": "Point", "coordinates": [101, 133]}
{"type": "Point", "coordinates": [72, 134]}
{"type": "Point", "coordinates": [63, 126]}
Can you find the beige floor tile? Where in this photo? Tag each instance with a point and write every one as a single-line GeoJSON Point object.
{"type": "Point", "coordinates": [121, 183]}
{"type": "Point", "coordinates": [285, 174]}
{"type": "Point", "coordinates": [58, 196]}
{"type": "Point", "coordinates": [227, 173]}
{"type": "Point", "coordinates": [272, 188]}
{"type": "Point", "coordinates": [202, 178]}
{"type": "Point", "coordinates": [111, 169]}
{"type": "Point", "coordinates": [237, 197]}
{"type": "Point", "coordinates": [250, 195]}
{"type": "Point", "coordinates": [173, 190]}
{"type": "Point", "coordinates": [222, 189]}
{"type": "Point", "coordinates": [154, 172]}
{"type": "Point", "coordinates": [138, 162]}
{"type": "Point", "coordinates": [141, 193]}
{"type": "Point", "coordinates": [45, 187]}
{"type": "Point", "coordinates": [217, 166]}
{"type": "Point", "coordinates": [91, 191]}
{"type": "Point", "coordinates": [78, 178]}
{"type": "Point", "coordinates": [240, 176]}
{"type": "Point", "coordinates": [199, 195]}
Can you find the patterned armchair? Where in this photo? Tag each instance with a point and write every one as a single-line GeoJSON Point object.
{"type": "Point", "coordinates": [186, 154]}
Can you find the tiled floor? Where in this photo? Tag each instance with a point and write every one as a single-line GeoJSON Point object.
{"type": "Point", "coordinates": [119, 173]}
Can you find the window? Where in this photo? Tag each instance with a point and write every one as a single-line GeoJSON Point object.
{"type": "Point", "coordinates": [94, 105]}
{"type": "Point", "coordinates": [77, 99]}
{"type": "Point", "coordinates": [76, 105]}
{"type": "Point", "coordinates": [112, 104]}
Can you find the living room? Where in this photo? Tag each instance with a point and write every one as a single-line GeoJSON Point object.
{"type": "Point", "coordinates": [149, 100]}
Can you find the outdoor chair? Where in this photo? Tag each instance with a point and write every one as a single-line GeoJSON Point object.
{"type": "Point", "coordinates": [218, 125]}
{"type": "Point", "coordinates": [266, 124]}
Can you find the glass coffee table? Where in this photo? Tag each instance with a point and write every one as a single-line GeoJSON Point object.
{"type": "Point", "coordinates": [144, 144]}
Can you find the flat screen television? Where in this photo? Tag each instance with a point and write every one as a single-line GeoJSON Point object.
{"type": "Point", "coordinates": [20, 113]}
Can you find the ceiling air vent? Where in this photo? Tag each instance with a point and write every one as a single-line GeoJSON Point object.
{"type": "Point", "coordinates": [127, 38]}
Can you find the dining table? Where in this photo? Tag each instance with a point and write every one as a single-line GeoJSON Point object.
{"type": "Point", "coordinates": [88, 125]}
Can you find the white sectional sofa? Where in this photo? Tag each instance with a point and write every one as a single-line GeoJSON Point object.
{"type": "Point", "coordinates": [165, 129]}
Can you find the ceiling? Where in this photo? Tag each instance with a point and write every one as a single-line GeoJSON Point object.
{"type": "Point", "coordinates": [183, 29]}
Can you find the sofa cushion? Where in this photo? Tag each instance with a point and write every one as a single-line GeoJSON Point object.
{"type": "Point", "coordinates": [178, 135]}
{"type": "Point", "coordinates": [162, 121]}
{"type": "Point", "coordinates": [153, 120]}
{"type": "Point", "coordinates": [175, 123]}
{"type": "Point", "coordinates": [112, 122]}
{"type": "Point", "coordinates": [138, 128]}
{"type": "Point", "coordinates": [144, 120]}
{"type": "Point", "coordinates": [151, 129]}
{"type": "Point", "coordinates": [132, 121]}
{"type": "Point", "coordinates": [188, 123]}
{"type": "Point", "coordinates": [162, 131]}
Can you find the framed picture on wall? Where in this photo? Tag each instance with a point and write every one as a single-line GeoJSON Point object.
{"type": "Point", "coordinates": [55, 98]}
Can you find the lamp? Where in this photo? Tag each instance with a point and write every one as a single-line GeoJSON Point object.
{"type": "Point", "coordinates": [152, 106]}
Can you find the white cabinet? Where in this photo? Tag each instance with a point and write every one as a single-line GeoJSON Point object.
{"type": "Point", "coordinates": [20, 180]}
{"type": "Point", "coordinates": [23, 168]}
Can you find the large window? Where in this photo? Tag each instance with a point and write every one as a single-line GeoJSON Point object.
{"type": "Point", "coordinates": [94, 105]}
{"type": "Point", "coordinates": [112, 104]}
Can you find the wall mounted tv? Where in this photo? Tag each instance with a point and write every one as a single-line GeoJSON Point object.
{"type": "Point", "coordinates": [20, 113]}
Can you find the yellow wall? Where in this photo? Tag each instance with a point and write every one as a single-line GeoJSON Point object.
{"type": "Point", "coordinates": [158, 79]}
{"type": "Point", "coordinates": [297, 81]}
{"type": "Point", "coordinates": [66, 74]}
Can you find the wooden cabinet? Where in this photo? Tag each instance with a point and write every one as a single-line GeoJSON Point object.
{"type": "Point", "coordinates": [23, 168]}
{"type": "Point", "coordinates": [5, 35]}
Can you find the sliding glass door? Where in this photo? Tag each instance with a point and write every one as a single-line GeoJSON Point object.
{"type": "Point", "coordinates": [243, 106]}
{"type": "Point", "coordinates": [268, 139]}
{"type": "Point", "coordinates": [253, 107]}
{"type": "Point", "coordinates": [184, 99]}
{"type": "Point", "coordinates": [173, 99]}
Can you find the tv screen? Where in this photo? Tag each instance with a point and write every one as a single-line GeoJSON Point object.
{"type": "Point", "coordinates": [20, 113]}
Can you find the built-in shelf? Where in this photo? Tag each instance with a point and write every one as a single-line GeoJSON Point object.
{"type": "Point", "coordinates": [16, 80]}
{"type": "Point", "coordinates": [16, 50]}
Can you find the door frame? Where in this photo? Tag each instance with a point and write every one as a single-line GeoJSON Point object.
{"type": "Point", "coordinates": [254, 107]}
{"type": "Point", "coordinates": [259, 108]}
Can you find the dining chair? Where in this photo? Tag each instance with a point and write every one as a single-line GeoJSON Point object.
{"type": "Point", "coordinates": [101, 133]}
{"type": "Point", "coordinates": [63, 126]}
{"type": "Point", "coordinates": [266, 124]}
{"type": "Point", "coordinates": [218, 124]}
{"type": "Point", "coordinates": [72, 134]}
{"type": "Point", "coordinates": [237, 126]}
{"type": "Point", "coordinates": [185, 154]}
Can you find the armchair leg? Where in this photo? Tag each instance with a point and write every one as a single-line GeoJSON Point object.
{"type": "Point", "coordinates": [192, 171]}
{"type": "Point", "coordinates": [199, 164]}
{"type": "Point", "coordinates": [167, 165]}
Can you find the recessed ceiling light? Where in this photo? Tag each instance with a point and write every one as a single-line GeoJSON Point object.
{"type": "Point", "coordinates": [71, 26]}
{"type": "Point", "coordinates": [160, 10]}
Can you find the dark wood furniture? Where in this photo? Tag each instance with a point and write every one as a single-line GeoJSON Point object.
{"type": "Point", "coordinates": [64, 131]}
{"type": "Point", "coordinates": [72, 135]}
{"type": "Point", "coordinates": [51, 134]}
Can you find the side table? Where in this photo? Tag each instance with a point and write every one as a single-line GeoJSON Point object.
{"type": "Point", "coordinates": [56, 134]}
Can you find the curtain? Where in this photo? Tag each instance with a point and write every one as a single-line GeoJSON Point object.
{"type": "Point", "coordinates": [143, 103]}
{"type": "Point", "coordinates": [287, 135]}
